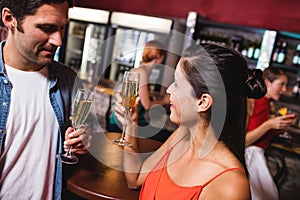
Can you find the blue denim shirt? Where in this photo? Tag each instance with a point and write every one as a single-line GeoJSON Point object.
{"type": "Point", "coordinates": [62, 81]}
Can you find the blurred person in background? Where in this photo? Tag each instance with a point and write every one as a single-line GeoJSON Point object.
{"type": "Point", "coordinates": [36, 96]}
{"type": "Point", "coordinates": [153, 55]}
{"type": "Point", "coordinates": [202, 159]}
{"type": "Point", "coordinates": [262, 126]}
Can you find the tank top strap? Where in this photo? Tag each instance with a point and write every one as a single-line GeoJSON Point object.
{"type": "Point", "coordinates": [222, 172]}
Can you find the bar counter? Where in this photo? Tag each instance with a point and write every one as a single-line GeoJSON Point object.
{"type": "Point", "coordinates": [290, 145]}
{"type": "Point", "coordinates": [99, 175]}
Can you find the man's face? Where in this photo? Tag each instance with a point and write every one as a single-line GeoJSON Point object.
{"type": "Point", "coordinates": [42, 34]}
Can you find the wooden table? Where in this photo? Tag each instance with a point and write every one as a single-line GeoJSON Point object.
{"type": "Point", "coordinates": [99, 175]}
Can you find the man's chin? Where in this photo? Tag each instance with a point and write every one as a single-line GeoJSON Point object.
{"type": "Point", "coordinates": [47, 59]}
{"type": "Point", "coordinates": [45, 62]}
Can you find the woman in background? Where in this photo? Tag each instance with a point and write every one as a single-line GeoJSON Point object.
{"type": "Point", "coordinates": [260, 131]}
{"type": "Point", "coordinates": [204, 157]}
{"type": "Point", "coordinates": [153, 55]}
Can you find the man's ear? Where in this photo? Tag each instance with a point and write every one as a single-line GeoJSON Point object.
{"type": "Point", "coordinates": [204, 102]}
{"type": "Point", "coordinates": [8, 19]}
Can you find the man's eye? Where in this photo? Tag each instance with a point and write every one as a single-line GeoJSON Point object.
{"type": "Point", "coordinates": [47, 29]}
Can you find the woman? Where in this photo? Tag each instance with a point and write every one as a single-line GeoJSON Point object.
{"type": "Point", "coordinates": [204, 157]}
{"type": "Point", "coordinates": [153, 55]}
{"type": "Point", "coordinates": [260, 132]}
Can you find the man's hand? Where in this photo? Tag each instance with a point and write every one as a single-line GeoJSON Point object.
{"type": "Point", "coordinates": [79, 139]}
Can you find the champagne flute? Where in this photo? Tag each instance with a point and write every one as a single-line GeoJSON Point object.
{"type": "Point", "coordinates": [80, 110]}
{"type": "Point", "coordinates": [129, 93]}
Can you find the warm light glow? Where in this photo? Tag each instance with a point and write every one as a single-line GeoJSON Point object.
{"type": "Point", "coordinates": [148, 23]}
{"type": "Point", "coordinates": [89, 15]}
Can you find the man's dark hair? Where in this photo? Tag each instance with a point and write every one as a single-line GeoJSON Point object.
{"type": "Point", "coordinates": [22, 8]}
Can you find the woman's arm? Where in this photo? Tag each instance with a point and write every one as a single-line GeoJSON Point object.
{"type": "Point", "coordinates": [135, 168]}
{"type": "Point", "coordinates": [255, 134]}
{"type": "Point", "coordinates": [144, 93]}
{"type": "Point", "coordinates": [280, 122]}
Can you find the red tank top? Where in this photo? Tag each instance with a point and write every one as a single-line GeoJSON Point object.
{"type": "Point", "coordinates": [261, 113]}
{"type": "Point", "coordinates": [159, 186]}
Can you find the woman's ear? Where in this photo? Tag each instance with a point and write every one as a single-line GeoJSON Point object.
{"type": "Point", "coordinates": [159, 60]}
{"type": "Point", "coordinates": [267, 82]}
{"type": "Point", "coordinates": [204, 102]}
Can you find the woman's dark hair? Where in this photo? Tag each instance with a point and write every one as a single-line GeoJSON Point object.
{"type": "Point", "coordinates": [273, 73]}
{"type": "Point", "coordinates": [22, 8]}
{"type": "Point", "coordinates": [203, 67]}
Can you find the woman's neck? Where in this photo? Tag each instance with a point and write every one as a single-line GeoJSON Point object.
{"type": "Point", "coordinates": [202, 138]}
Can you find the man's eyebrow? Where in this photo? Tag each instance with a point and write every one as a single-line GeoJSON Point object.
{"type": "Point", "coordinates": [46, 24]}
{"type": "Point", "coordinates": [49, 27]}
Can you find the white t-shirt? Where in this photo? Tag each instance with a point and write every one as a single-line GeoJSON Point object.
{"type": "Point", "coordinates": [30, 143]}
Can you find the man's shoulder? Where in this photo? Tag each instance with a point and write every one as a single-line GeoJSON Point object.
{"type": "Point", "coordinates": [61, 68]}
{"type": "Point", "coordinates": [65, 75]}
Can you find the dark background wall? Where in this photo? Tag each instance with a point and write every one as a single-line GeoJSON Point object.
{"type": "Point", "coordinates": [270, 14]}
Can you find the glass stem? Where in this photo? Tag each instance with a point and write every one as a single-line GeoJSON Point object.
{"type": "Point", "coordinates": [124, 125]}
{"type": "Point", "coordinates": [69, 152]}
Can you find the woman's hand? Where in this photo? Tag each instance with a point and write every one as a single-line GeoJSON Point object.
{"type": "Point", "coordinates": [79, 139]}
{"type": "Point", "coordinates": [282, 122]}
{"type": "Point", "coordinates": [119, 110]}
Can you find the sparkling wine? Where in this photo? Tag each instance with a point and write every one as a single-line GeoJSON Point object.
{"type": "Point", "coordinates": [81, 109]}
{"type": "Point", "coordinates": [129, 93]}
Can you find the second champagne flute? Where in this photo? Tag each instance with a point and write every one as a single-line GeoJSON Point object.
{"type": "Point", "coordinates": [129, 93]}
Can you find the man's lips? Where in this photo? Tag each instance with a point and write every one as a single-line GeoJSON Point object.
{"type": "Point", "coordinates": [47, 51]}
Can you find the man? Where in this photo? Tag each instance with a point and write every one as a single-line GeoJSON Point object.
{"type": "Point", "coordinates": [35, 100]}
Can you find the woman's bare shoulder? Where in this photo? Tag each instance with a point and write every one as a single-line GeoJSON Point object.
{"type": "Point", "coordinates": [140, 69]}
{"type": "Point", "coordinates": [233, 185]}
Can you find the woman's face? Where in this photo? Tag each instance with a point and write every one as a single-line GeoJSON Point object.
{"type": "Point", "coordinates": [182, 102]}
{"type": "Point", "coordinates": [276, 88]}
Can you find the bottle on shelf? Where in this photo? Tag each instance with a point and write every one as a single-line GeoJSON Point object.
{"type": "Point", "coordinates": [250, 51]}
{"type": "Point", "coordinates": [224, 39]}
{"type": "Point", "coordinates": [210, 37]}
{"type": "Point", "coordinates": [253, 50]}
{"type": "Point", "coordinates": [78, 29]}
{"type": "Point", "coordinates": [276, 51]}
{"type": "Point", "coordinates": [203, 34]}
{"type": "Point", "coordinates": [296, 87]}
{"type": "Point", "coordinates": [282, 53]}
{"type": "Point", "coordinates": [256, 52]}
{"type": "Point", "coordinates": [244, 50]}
{"type": "Point", "coordinates": [236, 42]}
{"type": "Point", "coordinates": [296, 57]}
